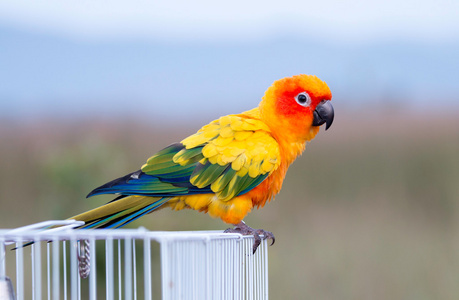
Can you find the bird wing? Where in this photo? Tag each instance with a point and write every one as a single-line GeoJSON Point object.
{"type": "Point", "coordinates": [228, 157]}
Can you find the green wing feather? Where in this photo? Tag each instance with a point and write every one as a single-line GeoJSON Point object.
{"type": "Point", "coordinates": [228, 157]}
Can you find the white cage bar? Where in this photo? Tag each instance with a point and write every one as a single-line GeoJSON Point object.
{"type": "Point", "coordinates": [130, 264]}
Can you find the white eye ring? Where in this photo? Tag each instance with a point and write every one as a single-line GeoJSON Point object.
{"type": "Point", "coordinates": [303, 99]}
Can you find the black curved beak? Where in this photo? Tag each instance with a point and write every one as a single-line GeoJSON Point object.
{"type": "Point", "coordinates": [323, 114]}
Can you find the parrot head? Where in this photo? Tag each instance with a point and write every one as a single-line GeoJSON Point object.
{"type": "Point", "coordinates": [295, 107]}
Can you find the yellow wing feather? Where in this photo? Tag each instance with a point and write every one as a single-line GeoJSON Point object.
{"type": "Point", "coordinates": [242, 142]}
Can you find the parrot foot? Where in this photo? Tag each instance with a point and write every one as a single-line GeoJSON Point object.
{"type": "Point", "coordinates": [244, 229]}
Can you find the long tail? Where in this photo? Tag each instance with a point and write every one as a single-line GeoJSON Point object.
{"type": "Point", "coordinates": [120, 212]}
{"type": "Point", "coordinates": [116, 213]}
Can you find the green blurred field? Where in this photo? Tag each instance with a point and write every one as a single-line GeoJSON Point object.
{"type": "Point", "coordinates": [370, 211]}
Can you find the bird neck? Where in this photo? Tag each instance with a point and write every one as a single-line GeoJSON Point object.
{"type": "Point", "coordinates": [291, 143]}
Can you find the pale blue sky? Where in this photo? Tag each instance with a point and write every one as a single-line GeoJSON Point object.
{"type": "Point", "coordinates": [354, 20]}
{"type": "Point", "coordinates": [89, 58]}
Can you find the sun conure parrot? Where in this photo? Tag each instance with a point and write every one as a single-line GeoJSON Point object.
{"type": "Point", "coordinates": [229, 166]}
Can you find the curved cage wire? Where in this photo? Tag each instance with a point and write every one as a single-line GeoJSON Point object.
{"type": "Point", "coordinates": [63, 263]}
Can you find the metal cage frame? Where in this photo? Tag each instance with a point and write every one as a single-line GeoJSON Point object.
{"type": "Point", "coordinates": [193, 264]}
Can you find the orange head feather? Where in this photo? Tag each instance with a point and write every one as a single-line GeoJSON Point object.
{"type": "Point", "coordinates": [288, 106]}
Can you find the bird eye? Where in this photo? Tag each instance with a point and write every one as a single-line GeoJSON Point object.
{"type": "Point", "coordinates": [303, 99]}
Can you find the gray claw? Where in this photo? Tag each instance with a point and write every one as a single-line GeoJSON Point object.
{"type": "Point", "coordinates": [244, 229]}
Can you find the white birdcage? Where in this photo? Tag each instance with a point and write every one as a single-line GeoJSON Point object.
{"type": "Point", "coordinates": [129, 264]}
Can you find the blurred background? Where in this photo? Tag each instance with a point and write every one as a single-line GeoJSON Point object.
{"type": "Point", "coordinates": [89, 90]}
